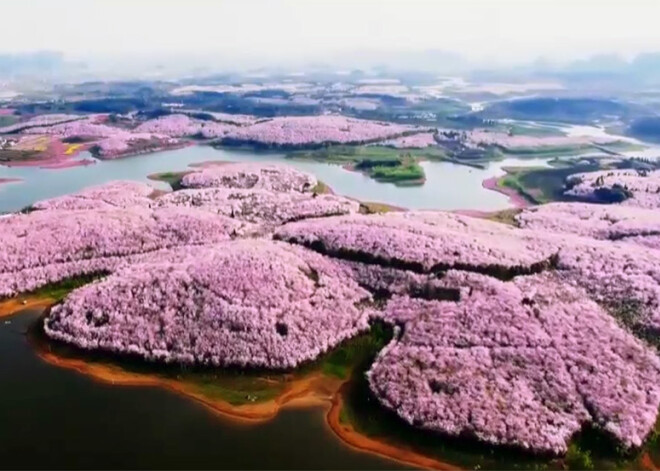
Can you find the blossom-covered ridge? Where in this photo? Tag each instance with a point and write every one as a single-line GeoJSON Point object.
{"type": "Point", "coordinates": [47, 246]}
{"type": "Point", "coordinates": [260, 206]}
{"type": "Point", "coordinates": [525, 363]}
{"type": "Point", "coordinates": [613, 222]}
{"type": "Point", "coordinates": [425, 242]}
{"type": "Point", "coordinates": [251, 303]}
{"type": "Point", "coordinates": [41, 120]}
{"type": "Point", "coordinates": [251, 175]}
{"type": "Point", "coordinates": [180, 125]}
{"type": "Point", "coordinates": [116, 194]}
{"type": "Point", "coordinates": [298, 131]}
{"type": "Point", "coordinates": [628, 187]}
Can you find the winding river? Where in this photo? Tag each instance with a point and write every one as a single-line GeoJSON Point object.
{"type": "Point", "coordinates": [448, 186]}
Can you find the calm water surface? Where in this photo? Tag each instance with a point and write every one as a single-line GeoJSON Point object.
{"type": "Point", "coordinates": [55, 418]}
{"type": "Point", "coordinates": [448, 186]}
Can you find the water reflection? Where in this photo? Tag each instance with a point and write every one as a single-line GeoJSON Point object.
{"type": "Point", "coordinates": [448, 186]}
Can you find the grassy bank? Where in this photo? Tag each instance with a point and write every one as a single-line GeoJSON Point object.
{"type": "Point", "coordinates": [402, 171]}
{"type": "Point", "coordinates": [383, 164]}
{"type": "Point", "coordinates": [542, 185]}
{"type": "Point", "coordinates": [171, 178]}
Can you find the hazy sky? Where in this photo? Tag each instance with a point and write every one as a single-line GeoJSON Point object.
{"type": "Point", "coordinates": [501, 30]}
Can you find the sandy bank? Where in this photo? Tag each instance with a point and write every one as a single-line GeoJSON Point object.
{"type": "Point", "coordinates": [311, 390]}
{"type": "Point", "coordinates": [13, 305]}
{"type": "Point", "coordinates": [366, 444]}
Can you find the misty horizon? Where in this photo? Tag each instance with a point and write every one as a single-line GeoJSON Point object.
{"type": "Point", "coordinates": [292, 31]}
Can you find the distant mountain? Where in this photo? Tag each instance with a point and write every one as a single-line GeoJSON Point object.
{"type": "Point", "coordinates": [646, 128]}
{"type": "Point", "coordinates": [642, 70]}
{"type": "Point", "coordinates": [432, 60]}
{"type": "Point", "coordinates": [646, 65]}
{"type": "Point", "coordinates": [30, 63]}
{"type": "Point", "coordinates": [572, 110]}
{"type": "Point", "coordinates": [603, 63]}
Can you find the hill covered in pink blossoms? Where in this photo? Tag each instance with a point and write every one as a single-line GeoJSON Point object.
{"type": "Point", "coordinates": [250, 176]}
{"type": "Point", "coordinates": [629, 187]}
{"type": "Point", "coordinates": [41, 120]}
{"type": "Point", "coordinates": [517, 336]}
{"type": "Point", "coordinates": [180, 125]}
{"type": "Point", "coordinates": [117, 194]}
{"type": "Point", "coordinates": [301, 131]}
{"type": "Point", "coordinates": [261, 206]}
{"type": "Point", "coordinates": [251, 303]}
{"type": "Point", "coordinates": [608, 222]}
{"type": "Point", "coordinates": [286, 131]}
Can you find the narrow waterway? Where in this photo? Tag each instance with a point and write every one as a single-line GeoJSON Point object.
{"type": "Point", "coordinates": [448, 186]}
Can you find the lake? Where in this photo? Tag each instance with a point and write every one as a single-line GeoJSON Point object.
{"type": "Point", "coordinates": [56, 418]}
{"type": "Point", "coordinates": [448, 186]}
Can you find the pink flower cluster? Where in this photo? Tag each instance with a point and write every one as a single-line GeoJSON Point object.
{"type": "Point", "coordinates": [248, 303]}
{"type": "Point", "coordinates": [643, 185]}
{"type": "Point", "coordinates": [180, 125]}
{"type": "Point", "coordinates": [613, 222]}
{"type": "Point", "coordinates": [86, 127]}
{"type": "Point", "coordinates": [251, 176]}
{"type": "Point", "coordinates": [484, 137]}
{"type": "Point", "coordinates": [126, 143]}
{"type": "Point", "coordinates": [424, 242]}
{"type": "Point", "coordinates": [516, 363]}
{"type": "Point", "coordinates": [47, 246]}
{"type": "Point", "coordinates": [116, 194]}
{"type": "Point", "coordinates": [413, 141]}
{"type": "Point", "coordinates": [114, 142]}
{"type": "Point", "coordinates": [261, 206]}
{"type": "Point", "coordinates": [615, 274]}
{"type": "Point", "coordinates": [41, 120]}
{"type": "Point", "coordinates": [316, 130]}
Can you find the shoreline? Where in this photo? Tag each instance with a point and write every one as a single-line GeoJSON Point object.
{"type": "Point", "coordinates": [11, 306]}
{"type": "Point", "coordinates": [350, 167]}
{"type": "Point", "coordinates": [10, 180]}
{"type": "Point", "coordinates": [515, 198]}
{"type": "Point", "coordinates": [56, 156]}
{"type": "Point", "coordinates": [311, 390]}
{"type": "Point", "coordinates": [366, 444]}
{"type": "Point", "coordinates": [135, 153]}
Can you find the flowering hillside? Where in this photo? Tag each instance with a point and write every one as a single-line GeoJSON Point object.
{"type": "Point", "coordinates": [246, 303]}
{"type": "Point", "coordinates": [179, 125]}
{"type": "Point", "coordinates": [516, 335]}
{"type": "Point", "coordinates": [251, 176]}
{"type": "Point", "coordinates": [117, 194]}
{"type": "Point", "coordinates": [628, 187]}
{"type": "Point", "coordinates": [261, 206]}
{"type": "Point", "coordinates": [612, 222]}
{"type": "Point", "coordinates": [314, 130]}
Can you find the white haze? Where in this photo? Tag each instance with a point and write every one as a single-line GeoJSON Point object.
{"type": "Point", "coordinates": [495, 31]}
